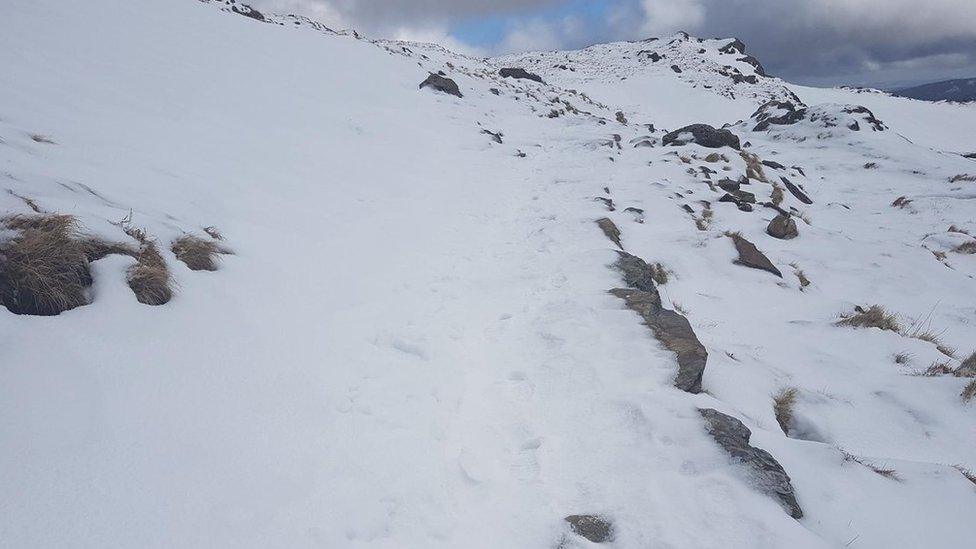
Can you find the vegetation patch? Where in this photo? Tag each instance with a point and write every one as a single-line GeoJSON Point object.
{"type": "Point", "coordinates": [874, 316]}
{"type": "Point", "coordinates": [783, 404]}
{"type": "Point", "coordinates": [197, 253]}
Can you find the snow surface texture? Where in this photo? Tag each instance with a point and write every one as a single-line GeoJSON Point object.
{"type": "Point", "coordinates": [413, 343]}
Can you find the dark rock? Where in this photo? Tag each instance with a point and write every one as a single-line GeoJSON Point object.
{"type": "Point", "coordinates": [735, 46]}
{"type": "Point", "coordinates": [739, 78]}
{"type": "Point", "coordinates": [520, 74]}
{"type": "Point", "coordinates": [652, 55]}
{"type": "Point", "coordinates": [495, 91]}
{"type": "Point", "coordinates": [744, 206]}
{"type": "Point", "coordinates": [441, 84]}
{"type": "Point", "coordinates": [876, 125]}
{"type": "Point", "coordinates": [676, 69]}
{"type": "Point", "coordinates": [783, 227]}
{"type": "Point", "coordinates": [704, 135]}
{"type": "Point", "coordinates": [248, 11]}
{"type": "Point", "coordinates": [496, 137]}
{"type": "Point", "coordinates": [750, 256]}
{"type": "Point", "coordinates": [607, 202]}
{"type": "Point", "coordinates": [621, 118]}
{"type": "Point", "coordinates": [637, 213]}
{"type": "Point", "coordinates": [756, 65]}
{"type": "Point", "coordinates": [674, 332]}
{"type": "Point", "coordinates": [780, 113]}
{"type": "Point", "coordinates": [728, 185]}
{"type": "Point", "coordinates": [773, 165]}
{"type": "Point", "coordinates": [769, 476]}
{"type": "Point", "coordinates": [800, 195]}
{"type": "Point", "coordinates": [594, 528]}
{"type": "Point", "coordinates": [637, 273]}
{"type": "Point", "coordinates": [610, 230]}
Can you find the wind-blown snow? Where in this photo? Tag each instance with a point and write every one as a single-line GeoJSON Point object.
{"type": "Point", "coordinates": [412, 344]}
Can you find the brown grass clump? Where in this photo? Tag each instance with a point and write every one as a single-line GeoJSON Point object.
{"type": "Point", "coordinates": [969, 365]}
{"type": "Point", "coordinates": [776, 197]}
{"type": "Point", "coordinates": [149, 278]}
{"type": "Point", "coordinates": [875, 316]}
{"type": "Point", "coordinates": [938, 369]}
{"type": "Point", "coordinates": [38, 138]}
{"type": "Point", "coordinates": [197, 253]}
{"type": "Point", "coordinates": [962, 177]}
{"type": "Point", "coordinates": [659, 274]}
{"type": "Point", "coordinates": [903, 358]}
{"type": "Point", "coordinates": [800, 275]}
{"type": "Point", "coordinates": [970, 476]}
{"type": "Point", "coordinates": [901, 202]}
{"type": "Point", "coordinates": [783, 404]}
{"type": "Point", "coordinates": [969, 392]}
{"type": "Point", "coordinates": [968, 247]}
{"type": "Point", "coordinates": [44, 270]}
{"type": "Point", "coordinates": [883, 471]}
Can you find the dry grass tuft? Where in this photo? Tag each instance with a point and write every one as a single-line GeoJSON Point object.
{"type": "Point", "coordinates": [969, 364]}
{"type": "Point", "coordinates": [920, 329]}
{"type": "Point", "coordinates": [968, 247]}
{"type": "Point", "coordinates": [801, 276]}
{"type": "Point", "coordinates": [776, 197]}
{"type": "Point", "coordinates": [704, 221]}
{"type": "Point", "coordinates": [962, 177]}
{"type": "Point", "coordinates": [149, 278]}
{"type": "Point", "coordinates": [197, 253]}
{"type": "Point", "coordinates": [901, 202]}
{"type": "Point", "coordinates": [903, 358]}
{"type": "Point", "coordinates": [969, 474]}
{"type": "Point", "coordinates": [38, 138]}
{"type": "Point", "coordinates": [213, 232]}
{"type": "Point", "coordinates": [938, 369]}
{"type": "Point", "coordinates": [883, 471]}
{"type": "Point", "coordinates": [659, 274]}
{"type": "Point", "coordinates": [969, 392]}
{"type": "Point", "coordinates": [783, 403]}
{"type": "Point", "coordinates": [875, 316]}
{"type": "Point", "coordinates": [45, 268]}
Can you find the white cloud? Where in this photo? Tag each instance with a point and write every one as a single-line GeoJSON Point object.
{"type": "Point", "coordinates": [664, 17]}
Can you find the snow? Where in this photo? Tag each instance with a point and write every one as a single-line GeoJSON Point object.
{"type": "Point", "coordinates": [412, 344]}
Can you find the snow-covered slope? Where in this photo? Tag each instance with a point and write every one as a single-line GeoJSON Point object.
{"type": "Point", "coordinates": [410, 342]}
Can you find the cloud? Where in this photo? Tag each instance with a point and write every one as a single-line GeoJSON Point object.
{"type": "Point", "coordinates": [816, 41]}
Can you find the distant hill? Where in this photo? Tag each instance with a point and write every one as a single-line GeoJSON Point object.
{"type": "Point", "coordinates": [961, 90]}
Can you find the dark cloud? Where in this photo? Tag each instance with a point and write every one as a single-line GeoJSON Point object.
{"type": "Point", "coordinates": [878, 42]}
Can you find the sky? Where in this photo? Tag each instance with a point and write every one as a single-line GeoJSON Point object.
{"type": "Point", "coordinates": [881, 43]}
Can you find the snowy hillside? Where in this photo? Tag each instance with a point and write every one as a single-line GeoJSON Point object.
{"type": "Point", "coordinates": [307, 301]}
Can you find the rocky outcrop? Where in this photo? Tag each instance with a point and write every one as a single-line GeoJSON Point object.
{"type": "Point", "coordinates": [780, 113]}
{"type": "Point", "coordinates": [782, 227]}
{"type": "Point", "coordinates": [519, 73]}
{"type": "Point", "coordinates": [592, 527]}
{"type": "Point", "coordinates": [610, 230]}
{"type": "Point", "coordinates": [750, 256]}
{"type": "Point", "coordinates": [704, 135]}
{"type": "Point", "coordinates": [441, 84]}
{"type": "Point", "coordinates": [769, 476]}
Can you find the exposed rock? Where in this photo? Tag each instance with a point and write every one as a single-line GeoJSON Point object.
{"type": "Point", "coordinates": [780, 113]}
{"type": "Point", "coordinates": [610, 229]}
{"type": "Point", "coordinates": [519, 73]}
{"type": "Point", "coordinates": [756, 65]}
{"type": "Point", "coordinates": [704, 135]}
{"type": "Point", "coordinates": [782, 227]}
{"type": "Point", "coordinates": [800, 195]}
{"type": "Point", "coordinates": [876, 125]}
{"type": "Point", "coordinates": [637, 213]}
{"type": "Point", "coordinates": [712, 158]}
{"type": "Point", "coordinates": [608, 202]}
{"type": "Point", "coordinates": [592, 527]}
{"type": "Point", "coordinates": [750, 256]}
{"type": "Point", "coordinates": [442, 84]}
{"type": "Point", "coordinates": [676, 69]}
{"type": "Point", "coordinates": [735, 46]}
{"type": "Point", "coordinates": [495, 136]}
{"type": "Point", "coordinates": [248, 11]}
{"type": "Point", "coordinates": [728, 185]}
{"type": "Point", "coordinates": [637, 273]}
{"type": "Point", "coordinates": [768, 474]}
{"type": "Point", "coordinates": [674, 332]}
{"type": "Point", "coordinates": [773, 165]}
{"type": "Point", "coordinates": [621, 118]}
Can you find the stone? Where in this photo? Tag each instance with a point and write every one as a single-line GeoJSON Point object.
{"type": "Point", "coordinates": [795, 191]}
{"type": "Point", "coordinates": [780, 113]}
{"type": "Point", "coordinates": [610, 229]}
{"type": "Point", "coordinates": [735, 46]}
{"type": "Point", "coordinates": [750, 256]}
{"type": "Point", "coordinates": [519, 73]}
{"type": "Point", "coordinates": [704, 135]}
{"type": "Point", "coordinates": [441, 84]}
{"type": "Point", "coordinates": [673, 331]}
{"type": "Point", "coordinates": [592, 527]}
{"type": "Point", "coordinates": [769, 476]}
{"type": "Point", "coordinates": [783, 227]}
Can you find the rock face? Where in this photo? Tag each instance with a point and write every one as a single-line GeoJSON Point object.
{"type": "Point", "coordinates": [610, 229]}
{"type": "Point", "coordinates": [441, 84]}
{"type": "Point", "coordinates": [795, 191]}
{"type": "Point", "coordinates": [782, 227]}
{"type": "Point", "coordinates": [519, 73]}
{"type": "Point", "coordinates": [780, 113]}
{"type": "Point", "coordinates": [704, 135]}
{"type": "Point", "coordinates": [750, 256]}
{"type": "Point", "coordinates": [594, 528]}
{"type": "Point", "coordinates": [769, 475]}
{"type": "Point", "coordinates": [674, 332]}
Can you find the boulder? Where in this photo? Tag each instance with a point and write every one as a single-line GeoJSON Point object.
{"type": "Point", "coordinates": [704, 135]}
{"type": "Point", "coordinates": [674, 332]}
{"type": "Point", "coordinates": [769, 476]}
{"type": "Point", "coordinates": [441, 84]}
{"type": "Point", "coordinates": [592, 527]}
{"type": "Point", "coordinates": [519, 73]}
{"type": "Point", "coordinates": [782, 227]}
{"type": "Point", "coordinates": [750, 256]}
{"type": "Point", "coordinates": [780, 113]}
{"type": "Point", "coordinates": [610, 229]}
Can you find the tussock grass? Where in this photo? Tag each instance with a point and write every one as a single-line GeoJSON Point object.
{"type": "Point", "coordinates": [903, 358]}
{"type": "Point", "coordinates": [659, 274]}
{"type": "Point", "coordinates": [875, 316]}
{"type": "Point", "coordinates": [968, 247]}
{"type": "Point", "coordinates": [962, 177]}
{"type": "Point", "coordinates": [149, 278]}
{"type": "Point", "coordinates": [969, 392]}
{"type": "Point", "coordinates": [969, 474]}
{"type": "Point", "coordinates": [783, 404]}
{"type": "Point", "coordinates": [801, 276]}
{"type": "Point", "coordinates": [881, 470]}
{"type": "Point", "coordinates": [44, 270]}
{"type": "Point", "coordinates": [938, 369]}
{"type": "Point", "coordinates": [776, 197]}
{"type": "Point", "coordinates": [198, 254]}
{"type": "Point", "coordinates": [969, 364]}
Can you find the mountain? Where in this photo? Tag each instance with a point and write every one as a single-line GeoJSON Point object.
{"type": "Point", "coordinates": [321, 290]}
{"type": "Point", "coordinates": [961, 90]}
